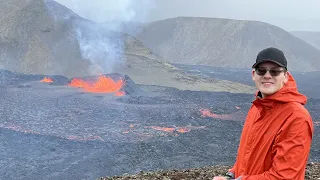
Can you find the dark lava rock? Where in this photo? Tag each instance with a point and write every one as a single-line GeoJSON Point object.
{"type": "Point", "coordinates": [312, 172]}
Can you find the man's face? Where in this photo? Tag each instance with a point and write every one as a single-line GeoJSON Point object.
{"type": "Point", "coordinates": [270, 82]}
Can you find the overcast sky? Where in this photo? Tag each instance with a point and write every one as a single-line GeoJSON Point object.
{"type": "Point", "coordinates": [290, 14]}
{"type": "Point", "coordinates": [287, 14]}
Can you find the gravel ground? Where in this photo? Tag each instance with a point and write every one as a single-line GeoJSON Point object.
{"type": "Point", "coordinates": [312, 172]}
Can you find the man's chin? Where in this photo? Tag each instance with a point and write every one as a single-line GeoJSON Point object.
{"type": "Point", "coordinates": [267, 93]}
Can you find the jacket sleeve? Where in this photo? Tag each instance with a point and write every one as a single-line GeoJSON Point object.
{"type": "Point", "coordinates": [233, 169]}
{"type": "Point", "coordinates": [291, 151]}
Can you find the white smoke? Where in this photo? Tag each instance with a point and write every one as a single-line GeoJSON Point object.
{"type": "Point", "coordinates": [110, 10]}
{"type": "Point", "coordinates": [104, 48]}
{"type": "Point", "coordinates": [97, 41]}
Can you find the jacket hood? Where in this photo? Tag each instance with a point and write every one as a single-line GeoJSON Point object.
{"type": "Point", "coordinates": [288, 93]}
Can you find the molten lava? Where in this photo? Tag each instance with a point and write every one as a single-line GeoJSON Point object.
{"type": "Point", "coordinates": [47, 80]}
{"type": "Point", "coordinates": [120, 93]}
{"type": "Point", "coordinates": [183, 130]}
{"type": "Point", "coordinates": [207, 113]}
{"type": "Point", "coordinates": [102, 85]}
{"type": "Point", "coordinates": [171, 130]}
{"type": "Point", "coordinates": [165, 129]}
{"type": "Point", "coordinates": [79, 83]}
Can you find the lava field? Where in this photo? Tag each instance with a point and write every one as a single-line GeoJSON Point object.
{"type": "Point", "coordinates": [53, 127]}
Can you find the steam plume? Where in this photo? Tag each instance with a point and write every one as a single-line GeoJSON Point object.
{"type": "Point", "coordinates": [97, 40]}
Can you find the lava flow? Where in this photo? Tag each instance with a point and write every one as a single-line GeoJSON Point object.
{"type": "Point", "coordinates": [207, 113]}
{"type": "Point", "coordinates": [102, 85]}
{"type": "Point", "coordinates": [47, 80]}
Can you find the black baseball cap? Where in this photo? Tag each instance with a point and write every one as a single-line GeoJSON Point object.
{"type": "Point", "coordinates": [271, 54]}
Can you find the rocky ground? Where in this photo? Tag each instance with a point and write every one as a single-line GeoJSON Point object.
{"type": "Point", "coordinates": [54, 131]}
{"type": "Point", "coordinates": [307, 81]}
{"type": "Point", "coordinates": [206, 173]}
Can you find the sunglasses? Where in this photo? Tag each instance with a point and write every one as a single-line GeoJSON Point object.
{"type": "Point", "coordinates": [273, 72]}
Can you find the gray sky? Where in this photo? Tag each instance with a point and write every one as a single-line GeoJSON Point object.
{"type": "Point", "coordinates": [287, 14]}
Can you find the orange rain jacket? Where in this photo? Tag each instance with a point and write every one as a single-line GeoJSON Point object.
{"type": "Point", "coordinates": [276, 137]}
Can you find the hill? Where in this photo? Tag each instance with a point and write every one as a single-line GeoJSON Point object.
{"type": "Point", "coordinates": [224, 42]}
{"type": "Point", "coordinates": [44, 37]}
{"type": "Point", "coordinates": [310, 37]}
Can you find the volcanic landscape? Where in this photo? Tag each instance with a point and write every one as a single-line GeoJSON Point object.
{"type": "Point", "coordinates": [54, 127]}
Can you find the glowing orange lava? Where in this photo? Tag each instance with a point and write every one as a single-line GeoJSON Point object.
{"type": "Point", "coordinates": [102, 85]}
{"type": "Point", "coordinates": [47, 80]}
{"type": "Point", "coordinates": [171, 130]}
{"type": "Point", "coordinates": [165, 129]}
{"type": "Point", "coordinates": [183, 130]}
{"type": "Point", "coordinates": [207, 113]}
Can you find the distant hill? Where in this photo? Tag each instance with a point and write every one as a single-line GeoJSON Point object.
{"type": "Point", "coordinates": [224, 42]}
{"type": "Point", "coordinates": [32, 42]}
{"type": "Point", "coordinates": [310, 37]}
{"type": "Point", "coordinates": [44, 37]}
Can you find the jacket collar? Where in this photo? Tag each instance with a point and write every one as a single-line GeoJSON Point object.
{"type": "Point", "coordinates": [288, 93]}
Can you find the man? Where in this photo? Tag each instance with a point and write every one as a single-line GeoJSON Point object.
{"type": "Point", "coordinates": [277, 134]}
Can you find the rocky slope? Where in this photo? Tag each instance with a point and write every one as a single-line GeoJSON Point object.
{"type": "Point", "coordinates": [310, 37]}
{"type": "Point", "coordinates": [44, 37]}
{"type": "Point", "coordinates": [224, 42]}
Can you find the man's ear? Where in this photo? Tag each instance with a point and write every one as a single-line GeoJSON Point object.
{"type": "Point", "coordinates": [286, 76]}
{"type": "Point", "coordinates": [253, 75]}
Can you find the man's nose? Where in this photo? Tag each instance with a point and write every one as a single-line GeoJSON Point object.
{"type": "Point", "coordinates": [267, 75]}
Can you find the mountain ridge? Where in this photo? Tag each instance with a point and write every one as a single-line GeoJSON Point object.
{"type": "Point", "coordinates": [311, 37]}
{"type": "Point", "coordinates": [44, 37]}
{"type": "Point", "coordinates": [223, 42]}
